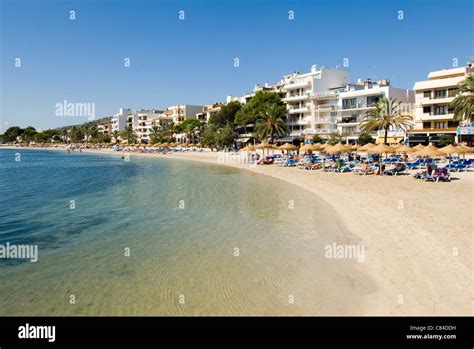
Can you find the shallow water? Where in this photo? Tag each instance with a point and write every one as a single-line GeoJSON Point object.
{"type": "Point", "coordinates": [183, 222]}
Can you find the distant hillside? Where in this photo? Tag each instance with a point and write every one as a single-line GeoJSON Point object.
{"type": "Point", "coordinates": [89, 123]}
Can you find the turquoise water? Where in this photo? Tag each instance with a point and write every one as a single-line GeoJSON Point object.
{"type": "Point", "coordinates": [182, 222]}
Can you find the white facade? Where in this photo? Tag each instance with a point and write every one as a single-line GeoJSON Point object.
{"type": "Point", "coordinates": [179, 113]}
{"type": "Point", "coordinates": [141, 123]}
{"type": "Point", "coordinates": [355, 100]}
{"type": "Point", "coordinates": [304, 116]}
{"type": "Point", "coordinates": [119, 120]}
{"type": "Point", "coordinates": [433, 114]}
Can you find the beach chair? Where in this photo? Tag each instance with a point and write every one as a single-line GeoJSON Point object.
{"type": "Point", "coordinates": [460, 167]}
{"type": "Point", "coordinates": [401, 170]}
{"type": "Point", "coordinates": [442, 174]}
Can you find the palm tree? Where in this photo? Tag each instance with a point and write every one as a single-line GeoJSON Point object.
{"type": "Point", "coordinates": [116, 135]}
{"type": "Point", "coordinates": [385, 114]}
{"type": "Point", "coordinates": [463, 104]}
{"type": "Point", "coordinates": [129, 135]}
{"type": "Point", "coordinates": [271, 123]}
{"type": "Point", "coordinates": [155, 134]}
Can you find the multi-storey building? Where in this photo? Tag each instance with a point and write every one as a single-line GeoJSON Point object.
{"type": "Point", "coordinates": [355, 100]}
{"type": "Point", "coordinates": [207, 111]}
{"type": "Point", "coordinates": [119, 120]}
{"type": "Point", "coordinates": [179, 113]}
{"type": "Point", "coordinates": [105, 128]}
{"type": "Point", "coordinates": [433, 114]}
{"type": "Point", "coordinates": [142, 123]}
{"type": "Point", "coordinates": [306, 117]}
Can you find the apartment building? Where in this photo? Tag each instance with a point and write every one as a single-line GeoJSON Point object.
{"type": "Point", "coordinates": [355, 100]}
{"type": "Point", "coordinates": [119, 120]}
{"type": "Point", "coordinates": [208, 110]}
{"type": "Point", "coordinates": [105, 128]}
{"type": "Point", "coordinates": [433, 114]}
{"type": "Point", "coordinates": [306, 115]}
{"type": "Point", "coordinates": [141, 123]}
{"type": "Point", "coordinates": [179, 113]}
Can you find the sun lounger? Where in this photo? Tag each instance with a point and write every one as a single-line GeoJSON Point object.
{"type": "Point", "coordinates": [396, 171]}
{"type": "Point", "coordinates": [442, 174]}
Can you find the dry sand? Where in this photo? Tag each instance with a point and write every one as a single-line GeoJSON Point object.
{"type": "Point", "coordinates": [418, 236]}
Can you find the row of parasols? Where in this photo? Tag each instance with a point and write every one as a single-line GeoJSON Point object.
{"type": "Point", "coordinates": [165, 145]}
{"type": "Point", "coordinates": [417, 151]}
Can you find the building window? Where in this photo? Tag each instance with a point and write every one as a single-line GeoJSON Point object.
{"type": "Point", "coordinates": [426, 110]}
{"type": "Point", "coordinates": [427, 125]}
{"type": "Point", "coordinates": [452, 92]}
{"type": "Point", "coordinates": [443, 124]}
{"type": "Point", "coordinates": [453, 124]}
{"type": "Point", "coordinates": [349, 103]}
{"type": "Point", "coordinates": [440, 110]}
{"type": "Point", "coordinates": [373, 99]}
{"type": "Point", "coordinates": [440, 94]}
{"type": "Point", "coordinates": [427, 94]}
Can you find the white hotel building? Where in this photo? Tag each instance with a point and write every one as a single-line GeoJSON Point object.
{"type": "Point", "coordinates": [119, 120]}
{"type": "Point", "coordinates": [305, 115]}
{"type": "Point", "coordinates": [433, 114]}
{"type": "Point", "coordinates": [323, 101]}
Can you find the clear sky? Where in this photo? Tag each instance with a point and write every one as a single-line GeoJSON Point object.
{"type": "Point", "coordinates": [191, 61]}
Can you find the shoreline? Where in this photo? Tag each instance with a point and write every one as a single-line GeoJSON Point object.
{"type": "Point", "coordinates": [408, 232]}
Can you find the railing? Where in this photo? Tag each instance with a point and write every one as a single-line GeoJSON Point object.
{"type": "Point", "coordinates": [355, 106]}
{"type": "Point", "coordinates": [324, 94]}
{"type": "Point", "coordinates": [327, 106]}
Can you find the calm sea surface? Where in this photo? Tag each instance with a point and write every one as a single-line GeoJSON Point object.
{"type": "Point", "coordinates": [203, 240]}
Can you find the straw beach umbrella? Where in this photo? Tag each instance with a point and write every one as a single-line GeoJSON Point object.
{"type": "Point", "coordinates": [418, 147]}
{"type": "Point", "coordinates": [467, 148]}
{"type": "Point", "coordinates": [429, 152]}
{"type": "Point", "coordinates": [355, 147]}
{"type": "Point", "coordinates": [404, 149]}
{"type": "Point", "coordinates": [263, 146]}
{"type": "Point", "coordinates": [324, 146]}
{"type": "Point", "coordinates": [308, 148]}
{"type": "Point", "coordinates": [338, 149]}
{"type": "Point", "coordinates": [381, 149]}
{"type": "Point", "coordinates": [450, 149]}
{"type": "Point", "coordinates": [287, 147]}
{"type": "Point", "coordinates": [366, 147]}
{"type": "Point", "coordinates": [317, 146]}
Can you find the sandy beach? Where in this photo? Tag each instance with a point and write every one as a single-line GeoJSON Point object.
{"type": "Point", "coordinates": [418, 236]}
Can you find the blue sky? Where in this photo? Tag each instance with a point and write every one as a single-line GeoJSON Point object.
{"type": "Point", "coordinates": [191, 61]}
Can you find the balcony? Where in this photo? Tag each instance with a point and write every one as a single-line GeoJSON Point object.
{"type": "Point", "coordinates": [325, 121]}
{"type": "Point", "coordinates": [296, 98]}
{"type": "Point", "coordinates": [326, 107]}
{"type": "Point", "coordinates": [298, 110]}
{"type": "Point", "coordinates": [358, 106]}
{"type": "Point", "coordinates": [430, 101]}
{"type": "Point", "coordinates": [298, 122]}
{"type": "Point", "coordinates": [294, 86]}
{"type": "Point", "coordinates": [432, 117]}
{"type": "Point", "coordinates": [324, 95]}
